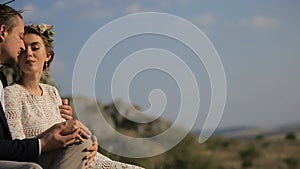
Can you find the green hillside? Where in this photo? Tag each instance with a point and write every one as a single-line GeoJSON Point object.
{"type": "Point", "coordinates": [226, 153]}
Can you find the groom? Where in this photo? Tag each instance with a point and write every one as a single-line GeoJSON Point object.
{"type": "Point", "coordinates": [24, 153]}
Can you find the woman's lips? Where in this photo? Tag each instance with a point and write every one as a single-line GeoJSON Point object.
{"type": "Point", "coordinates": [30, 62]}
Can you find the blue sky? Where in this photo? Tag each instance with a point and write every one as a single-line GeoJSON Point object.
{"type": "Point", "coordinates": [258, 43]}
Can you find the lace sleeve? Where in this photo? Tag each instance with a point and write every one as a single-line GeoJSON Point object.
{"type": "Point", "coordinates": [13, 110]}
{"type": "Point", "coordinates": [57, 96]}
{"type": "Point", "coordinates": [57, 101]}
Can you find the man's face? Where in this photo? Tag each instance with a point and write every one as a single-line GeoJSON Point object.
{"type": "Point", "coordinates": [13, 43]}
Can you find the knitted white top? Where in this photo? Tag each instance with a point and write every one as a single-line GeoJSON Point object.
{"type": "Point", "coordinates": [29, 115]}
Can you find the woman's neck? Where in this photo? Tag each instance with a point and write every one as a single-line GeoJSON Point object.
{"type": "Point", "coordinates": [31, 83]}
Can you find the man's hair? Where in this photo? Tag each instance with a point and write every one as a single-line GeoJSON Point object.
{"type": "Point", "coordinates": [8, 16]}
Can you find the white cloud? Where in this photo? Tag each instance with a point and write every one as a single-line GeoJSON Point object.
{"type": "Point", "coordinates": [88, 9]}
{"type": "Point", "coordinates": [30, 12]}
{"type": "Point", "coordinates": [260, 22]}
{"type": "Point", "coordinates": [133, 8]}
{"type": "Point", "coordinates": [60, 5]}
{"type": "Point", "coordinates": [206, 19]}
{"type": "Point", "coordinates": [165, 2]}
{"type": "Point", "coordinates": [184, 1]}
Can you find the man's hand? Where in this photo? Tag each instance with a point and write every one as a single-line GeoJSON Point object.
{"type": "Point", "coordinates": [66, 110]}
{"type": "Point", "coordinates": [63, 134]}
{"type": "Point", "coordinates": [52, 138]}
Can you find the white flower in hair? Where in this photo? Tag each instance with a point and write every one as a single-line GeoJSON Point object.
{"type": "Point", "coordinates": [46, 30]}
{"type": "Point", "coordinates": [44, 27]}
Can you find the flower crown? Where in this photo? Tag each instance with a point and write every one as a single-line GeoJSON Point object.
{"type": "Point", "coordinates": [45, 29]}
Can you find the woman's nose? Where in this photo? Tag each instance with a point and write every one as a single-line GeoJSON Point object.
{"type": "Point", "coordinates": [29, 52]}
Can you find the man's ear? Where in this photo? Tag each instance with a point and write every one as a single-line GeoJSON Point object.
{"type": "Point", "coordinates": [3, 33]}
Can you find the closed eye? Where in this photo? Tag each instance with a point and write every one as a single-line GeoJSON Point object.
{"type": "Point", "coordinates": [35, 46]}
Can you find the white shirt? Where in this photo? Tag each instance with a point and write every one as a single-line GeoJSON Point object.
{"type": "Point", "coordinates": [2, 92]}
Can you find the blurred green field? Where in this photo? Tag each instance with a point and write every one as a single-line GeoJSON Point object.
{"type": "Point", "coordinates": [276, 152]}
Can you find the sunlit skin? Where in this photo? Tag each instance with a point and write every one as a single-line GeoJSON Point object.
{"type": "Point", "coordinates": [12, 42]}
{"type": "Point", "coordinates": [31, 63]}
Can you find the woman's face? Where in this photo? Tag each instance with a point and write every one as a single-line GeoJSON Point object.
{"type": "Point", "coordinates": [33, 58]}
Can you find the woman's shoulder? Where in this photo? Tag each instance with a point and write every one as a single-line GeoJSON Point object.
{"type": "Point", "coordinates": [14, 91]}
{"type": "Point", "coordinates": [14, 87]}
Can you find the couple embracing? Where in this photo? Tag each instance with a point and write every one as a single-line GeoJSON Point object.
{"type": "Point", "coordinates": [37, 129]}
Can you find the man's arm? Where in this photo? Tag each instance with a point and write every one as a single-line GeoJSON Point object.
{"type": "Point", "coordinates": [19, 150]}
{"type": "Point", "coordinates": [16, 150]}
{"type": "Point", "coordinates": [61, 135]}
{"type": "Point", "coordinates": [28, 149]}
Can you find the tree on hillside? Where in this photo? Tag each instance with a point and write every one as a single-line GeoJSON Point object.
{"type": "Point", "coordinates": [248, 155]}
{"type": "Point", "coordinates": [290, 136]}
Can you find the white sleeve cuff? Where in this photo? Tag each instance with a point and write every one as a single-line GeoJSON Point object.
{"type": "Point", "coordinates": [40, 151]}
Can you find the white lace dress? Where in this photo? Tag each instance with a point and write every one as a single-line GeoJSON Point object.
{"type": "Point", "coordinates": [29, 115]}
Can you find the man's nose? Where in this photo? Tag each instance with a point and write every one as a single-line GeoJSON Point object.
{"type": "Point", "coordinates": [22, 46]}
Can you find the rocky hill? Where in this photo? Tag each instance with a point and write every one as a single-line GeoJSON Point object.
{"type": "Point", "coordinates": [87, 110]}
{"type": "Point", "coordinates": [107, 122]}
{"type": "Point", "coordinates": [254, 132]}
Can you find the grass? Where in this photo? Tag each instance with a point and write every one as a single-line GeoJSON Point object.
{"type": "Point", "coordinates": [225, 153]}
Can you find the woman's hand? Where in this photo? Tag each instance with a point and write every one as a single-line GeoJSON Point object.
{"type": "Point", "coordinates": [66, 110]}
{"type": "Point", "coordinates": [93, 149]}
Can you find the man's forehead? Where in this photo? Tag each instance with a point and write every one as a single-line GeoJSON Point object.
{"type": "Point", "coordinates": [20, 25]}
{"type": "Point", "coordinates": [20, 21]}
